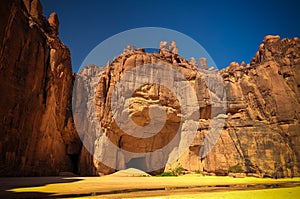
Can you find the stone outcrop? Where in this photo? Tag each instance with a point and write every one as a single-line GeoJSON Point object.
{"type": "Point", "coordinates": [168, 47]}
{"type": "Point", "coordinates": [143, 98]}
{"type": "Point", "coordinates": [203, 63]}
{"type": "Point", "coordinates": [259, 125]}
{"type": "Point", "coordinates": [261, 133]}
{"type": "Point", "coordinates": [261, 128]}
{"type": "Point", "coordinates": [38, 135]}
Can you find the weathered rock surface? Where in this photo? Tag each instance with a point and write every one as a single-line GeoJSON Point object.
{"type": "Point", "coordinates": [261, 129]}
{"type": "Point", "coordinates": [37, 132]}
{"type": "Point", "coordinates": [83, 112]}
{"type": "Point", "coordinates": [139, 104]}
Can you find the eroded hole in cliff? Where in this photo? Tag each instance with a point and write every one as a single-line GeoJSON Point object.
{"type": "Point", "coordinates": [138, 163]}
{"type": "Point", "coordinates": [74, 161]}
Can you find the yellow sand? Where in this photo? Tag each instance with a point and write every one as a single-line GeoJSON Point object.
{"type": "Point", "coordinates": [89, 185]}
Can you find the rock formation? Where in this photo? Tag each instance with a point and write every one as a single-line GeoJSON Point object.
{"type": "Point", "coordinates": [261, 129]}
{"type": "Point", "coordinates": [38, 135]}
{"type": "Point", "coordinates": [203, 63]}
{"type": "Point", "coordinates": [261, 133]}
{"type": "Point", "coordinates": [139, 104]}
{"type": "Point", "coordinates": [172, 47]}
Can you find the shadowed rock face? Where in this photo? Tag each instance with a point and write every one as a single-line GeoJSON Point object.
{"type": "Point", "coordinates": [36, 127]}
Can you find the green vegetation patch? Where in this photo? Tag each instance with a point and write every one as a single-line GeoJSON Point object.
{"type": "Point", "coordinates": [236, 169]}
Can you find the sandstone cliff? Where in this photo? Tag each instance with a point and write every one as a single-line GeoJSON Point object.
{"type": "Point", "coordinates": [261, 128]}
{"type": "Point", "coordinates": [36, 127]}
{"type": "Point", "coordinates": [260, 131]}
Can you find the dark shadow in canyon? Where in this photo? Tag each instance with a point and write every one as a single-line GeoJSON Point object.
{"type": "Point", "coordinates": [9, 183]}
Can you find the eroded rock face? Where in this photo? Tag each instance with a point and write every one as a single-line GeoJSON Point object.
{"type": "Point", "coordinates": [261, 129]}
{"type": "Point", "coordinates": [37, 130]}
{"type": "Point", "coordinates": [144, 97]}
{"type": "Point", "coordinates": [260, 132]}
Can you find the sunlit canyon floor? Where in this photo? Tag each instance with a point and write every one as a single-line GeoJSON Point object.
{"type": "Point", "coordinates": [126, 186]}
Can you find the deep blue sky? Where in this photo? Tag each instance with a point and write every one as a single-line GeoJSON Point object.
{"type": "Point", "coordinates": [228, 30]}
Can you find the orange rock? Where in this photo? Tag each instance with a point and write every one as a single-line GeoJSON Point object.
{"type": "Point", "coordinates": [35, 107]}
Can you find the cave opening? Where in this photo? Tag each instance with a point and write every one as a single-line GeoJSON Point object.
{"type": "Point", "coordinates": [74, 161]}
{"type": "Point", "coordinates": [138, 163]}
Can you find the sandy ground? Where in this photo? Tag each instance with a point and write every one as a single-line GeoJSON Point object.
{"type": "Point", "coordinates": [124, 185]}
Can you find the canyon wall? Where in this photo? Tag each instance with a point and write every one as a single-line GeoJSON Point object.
{"type": "Point", "coordinates": [259, 125]}
{"type": "Point", "coordinates": [260, 132]}
{"type": "Point", "coordinates": [36, 127]}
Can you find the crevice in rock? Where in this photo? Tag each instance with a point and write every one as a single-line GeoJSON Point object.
{"type": "Point", "coordinates": [74, 159]}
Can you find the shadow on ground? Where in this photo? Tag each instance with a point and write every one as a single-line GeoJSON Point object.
{"type": "Point", "coordinates": [7, 184]}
